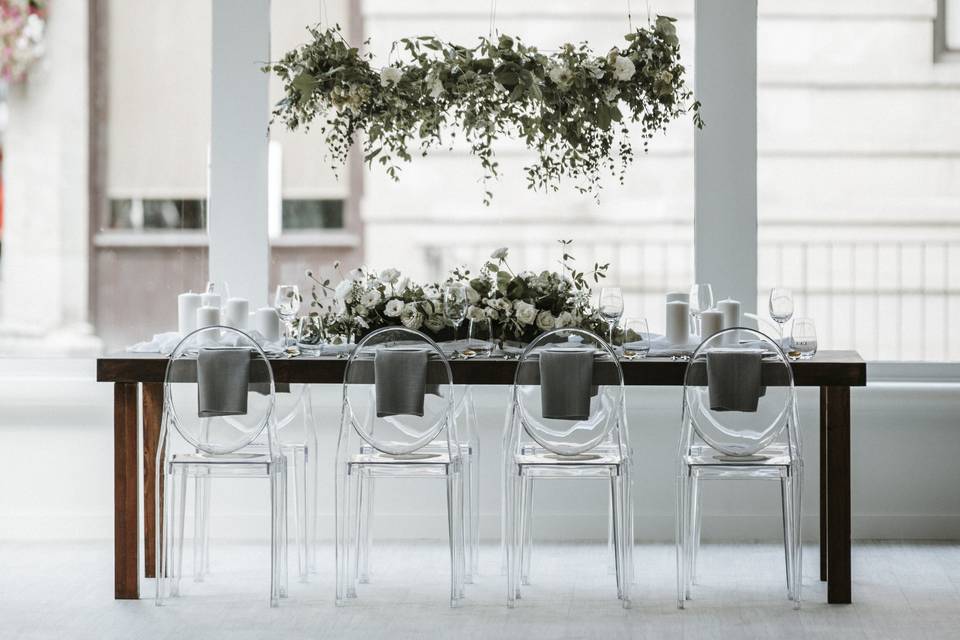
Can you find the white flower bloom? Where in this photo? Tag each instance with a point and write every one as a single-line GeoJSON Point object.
{"type": "Point", "coordinates": [343, 290]}
{"type": "Point", "coordinates": [665, 76]}
{"type": "Point", "coordinates": [411, 317]}
{"type": "Point", "coordinates": [389, 276]}
{"type": "Point", "coordinates": [360, 310]}
{"type": "Point", "coordinates": [561, 75]}
{"type": "Point", "coordinates": [356, 274]}
{"type": "Point", "coordinates": [565, 319]}
{"type": "Point", "coordinates": [475, 313]}
{"type": "Point", "coordinates": [394, 308]}
{"type": "Point", "coordinates": [526, 312]}
{"type": "Point", "coordinates": [402, 284]}
{"type": "Point", "coordinates": [610, 95]}
{"type": "Point", "coordinates": [430, 292]}
{"type": "Point", "coordinates": [491, 313]}
{"type": "Point", "coordinates": [390, 76]}
{"type": "Point", "coordinates": [545, 321]}
{"type": "Point", "coordinates": [371, 298]}
{"type": "Point", "coordinates": [623, 68]}
{"type": "Point", "coordinates": [436, 88]}
{"type": "Point", "coordinates": [499, 254]}
{"type": "Point", "coordinates": [501, 304]}
{"type": "Point", "coordinates": [435, 322]}
{"type": "Point", "coordinates": [472, 296]}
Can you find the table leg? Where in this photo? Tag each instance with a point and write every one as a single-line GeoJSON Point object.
{"type": "Point", "coordinates": [824, 524]}
{"type": "Point", "coordinates": [152, 417]}
{"type": "Point", "coordinates": [126, 543]}
{"type": "Point", "coordinates": [838, 494]}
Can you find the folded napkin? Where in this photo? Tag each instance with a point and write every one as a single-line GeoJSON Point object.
{"type": "Point", "coordinates": [566, 381]}
{"type": "Point", "coordinates": [734, 378]}
{"type": "Point", "coordinates": [400, 377]}
{"type": "Point", "coordinates": [223, 377]}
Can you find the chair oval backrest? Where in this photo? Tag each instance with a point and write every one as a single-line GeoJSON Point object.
{"type": "Point", "coordinates": [725, 420]}
{"type": "Point", "coordinates": [374, 409]}
{"type": "Point", "coordinates": [571, 436]}
{"type": "Point", "coordinates": [238, 400]}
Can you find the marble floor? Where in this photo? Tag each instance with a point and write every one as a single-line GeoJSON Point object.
{"type": "Point", "coordinates": [902, 590]}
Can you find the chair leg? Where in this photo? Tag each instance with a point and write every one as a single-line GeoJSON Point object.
{"type": "Point", "coordinates": [513, 509]}
{"type": "Point", "coordinates": [473, 487]}
{"type": "Point", "coordinates": [284, 533]}
{"type": "Point", "coordinates": [178, 532]}
{"type": "Point", "coordinates": [201, 527]}
{"type": "Point", "coordinates": [366, 527]}
{"type": "Point", "coordinates": [300, 511]}
{"type": "Point", "coordinates": [786, 505]}
{"type": "Point", "coordinates": [797, 538]}
{"type": "Point", "coordinates": [681, 540]}
{"type": "Point", "coordinates": [164, 519]}
{"type": "Point", "coordinates": [275, 533]}
{"type": "Point", "coordinates": [696, 521]}
{"type": "Point", "coordinates": [623, 542]}
{"type": "Point", "coordinates": [342, 499]}
{"type": "Point", "coordinates": [615, 523]}
{"type": "Point", "coordinates": [526, 548]}
{"type": "Point", "coordinates": [452, 517]}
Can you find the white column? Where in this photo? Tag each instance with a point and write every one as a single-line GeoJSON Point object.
{"type": "Point", "coordinates": [725, 150]}
{"type": "Point", "coordinates": [240, 111]}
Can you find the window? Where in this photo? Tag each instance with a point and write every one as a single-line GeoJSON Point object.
{"type": "Point", "coordinates": [152, 214]}
{"type": "Point", "coordinates": [299, 215]}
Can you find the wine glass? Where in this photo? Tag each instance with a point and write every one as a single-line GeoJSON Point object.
{"type": "Point", "coordinates": [636, 338]}
{"type": "Point", "coordinates": [287, 303]}
{"type": "Point", "coordinates": [611, 308]}
{"type": "Point", "coordinates": [803, 339]}
{"type": "Point", "coordinates": [701, 299]}
{"type": "Point", "coordinates": [455, 305]}
{"type": "Point", "coordinates": [781, 306]}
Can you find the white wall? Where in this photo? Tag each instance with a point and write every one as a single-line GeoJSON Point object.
{"type": "Point", "coordinates": [56, 476]}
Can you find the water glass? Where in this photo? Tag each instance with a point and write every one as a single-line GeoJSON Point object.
{"type": "Point", "coordinates": [287, 303]}
{"type": "Point", "coordinates": [635, 338]}
{"type": "Point", "coordinates": [310, 334]}
{"type": "Point", "coordinates": [803, 339]}
{"type": "Point", "coordinates": [611, 308]}
{"type": "Point", "coordinates": [480, 338]}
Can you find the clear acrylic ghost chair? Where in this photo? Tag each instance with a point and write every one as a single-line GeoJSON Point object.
{"type": "Point", "coordinates": [372, 447]}
{"type": "Point", "coordinates": [720, 445]}
{"type": "Point", "coordinates": [465, 416]}
{"type": "Point", "coordinates": [297, 433]}
{"type": "Point", "coordinates": [206, 447]}
{"type": "Point", "coordinates": [542, 448]}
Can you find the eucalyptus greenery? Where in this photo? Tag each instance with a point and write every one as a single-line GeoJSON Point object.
{"type": "Point", "coordinates": [572, 108]}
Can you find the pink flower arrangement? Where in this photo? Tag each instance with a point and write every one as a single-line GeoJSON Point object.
{"type": "Point", "coordinates": [22, 27]}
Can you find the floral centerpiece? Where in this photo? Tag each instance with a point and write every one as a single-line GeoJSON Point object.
{"type": "Point", "coordinates": [572, 108]}
{"type": "Point", "coordinates": [519, 305]}
{"type": "Point", "coordinates": [22, 27]}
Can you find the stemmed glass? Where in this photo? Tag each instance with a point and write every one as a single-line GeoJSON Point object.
{"type": "Point", "coordinates": [781, 306]}
{"type": "Point", "coordinates": [287, 303]}
{"type": "Point", "coordinates": [455, 305]}
{"type": "Point", "coordinates": [611, 308]}
{"type": "Point", "coordinates": [701, 299]}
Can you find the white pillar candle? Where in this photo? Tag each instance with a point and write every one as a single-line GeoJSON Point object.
{"type": "Point", "coordinates": [678, 322]}
{"type": "Point", "coordinates": [210, 300]}
{"type": "Point", "coordinates": [678, 296]}
{"type": "Point", "coordinates": [711, 322]}
{"type": "Point", "coordinates": [267, 322]}
{"type": "Point", "coordinates": [187, 305]}
{"type": "Point", "coordinates": [731, 313]}
{"type": "Point", "coordinates": [208, 317]}
{"type": "Point", "coordinates": [236, 312]}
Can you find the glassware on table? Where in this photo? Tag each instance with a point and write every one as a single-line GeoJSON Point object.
{"type": "Point", "coordinates": [480, 336]}
{"type": "Point", "coordinates": [310, 334]}
{"type": "Point", "coordinates": [455, 305]}
{"type": "Point", "coordinates": [635, 338]}
{"type": "Point", "coordinates": [611, 308]}
{"type": "Point", "coordinates": [287, 304]}
{"type": "Point", "coordinates": [701, 299]}
{"type": "Point", "coordinates": [803, 339]}
{"type": "Point", "coordinates": [781, 306]}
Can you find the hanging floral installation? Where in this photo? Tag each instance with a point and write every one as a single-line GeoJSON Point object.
{"type": "Point", "coordinates": [573, 108]}
{"type": "Point", "coordinates": [23, 24]}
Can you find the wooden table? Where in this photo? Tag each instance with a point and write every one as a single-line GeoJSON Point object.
{"type": "Point", "coordinates": [833, 371]}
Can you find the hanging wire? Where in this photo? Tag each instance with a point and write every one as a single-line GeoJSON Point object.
{"type": "Point", "coordinates": [630, 16]}
{"type": "Point", "coordinates": [493, 17]}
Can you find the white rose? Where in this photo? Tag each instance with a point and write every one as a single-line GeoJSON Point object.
{"type": "Point", "coordinates": [565, 319]}
{"type": "Point", "coordinates": [526, 312]}
{"type": "Point", "coordinates": [612, 94]}
{"type": "Point", "coordinates": [430, 292]}
{"type": "Point", "coordinates": [389, 276]}
{"type": "Point", "coordinates": [394, 308]}
{"type": "Point", "coordinates": [343, 289]}
{"type": "Point", "coordinates": [436, 88]}
{"type": "Point", "coordinates": [435, 322]}
{"type": "Point", "coordinates": [475, 313]}
{"type": "Point", "coordinates": [545, 321]}
{"type": "Point", "coordinates": [472, 296]}
{"type": "Point", "coordinates": [499, 254]}
{"type": "Point", "coordinates": [501, 304]}
{"type": "Point", "coordinates": [411, 316]}
{"type": "Point", "coordinates": [371, 298]}
{"type": "Point", "coordinates": [560, 75]}
{"type": "Point", "coordinates": [360, 310]}
{"type": "Point", "coordinates": [623, 68]}
{"type": "Point", "coordinates": [594, 68]}
{"type": "Point", "coordinates": [491, 313]}
{"type": "Point", "coordinates": [390, 76]}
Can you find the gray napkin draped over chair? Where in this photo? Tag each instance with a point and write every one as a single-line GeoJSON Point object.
{"type": "Point", "coordinates": [566, 383]}
{"type": "Point", "coordinates": [400, 377]}
{"type": "Point", "coordinates": [735, 379]}
{"type": "Point", "coordinates": [223, 379]}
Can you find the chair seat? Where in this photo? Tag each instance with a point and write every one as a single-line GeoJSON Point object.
{"type": "Point", "coordinates": [421, 462]}
{"type": "Point", "coordinates": [231, 464]}
{"type": "Point", "coordinates": [772, 457]}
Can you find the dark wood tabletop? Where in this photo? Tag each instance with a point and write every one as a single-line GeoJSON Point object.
{"type": "Point", "coordinates": [827, 368]}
